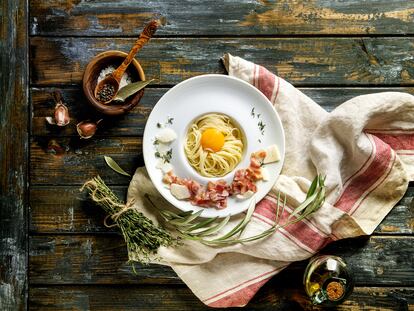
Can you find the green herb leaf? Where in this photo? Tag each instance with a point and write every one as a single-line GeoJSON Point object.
{"type": "Point", "coordinates": [186, 220]}
{"type": "Point", "coordinates": [214, 229]}
{"type": "Point", "coordinates": [131, 89]}
{"type": "Point", "coordinates": [112, 164]}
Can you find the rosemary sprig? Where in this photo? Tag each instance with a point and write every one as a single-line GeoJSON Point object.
{"type": "Point", "coordinates": [141, 235]}
{"type": "Point", "coordinates": [189, 227]}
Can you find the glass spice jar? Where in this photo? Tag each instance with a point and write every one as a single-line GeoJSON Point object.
{"type": "Point", "coordinates": [328, 281]}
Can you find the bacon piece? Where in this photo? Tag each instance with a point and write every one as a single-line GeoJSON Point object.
{"type": "Point", "coordinates": [170, 178]}
{"type": "Point", "coordinates": [243, 181]}
{"type": "Point", "coordinates": [215, 195]}
{"type": "Point", "coordinates": [259, 155]}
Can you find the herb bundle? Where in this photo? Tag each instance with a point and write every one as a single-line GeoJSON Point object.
{"type": "Point", "coordinates": [141, 235]}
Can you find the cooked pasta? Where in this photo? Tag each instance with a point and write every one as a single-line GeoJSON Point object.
{"type": "Point", "coordinates": [213, 145]}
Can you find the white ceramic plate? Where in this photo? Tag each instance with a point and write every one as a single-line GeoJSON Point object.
{"type": "Point", "coordinates": [207, 94]}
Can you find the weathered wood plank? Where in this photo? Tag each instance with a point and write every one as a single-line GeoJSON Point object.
{"type": "Point", "coordinates": [134, 122]}
{"type": "Point", "coordinates": [13, 154]}
{"type": "Point", "coordinates": [63, 209]}
{"type": "Point", "coordinates": [303, 61]}
{"type": "Point", "coordinates": [77, 160]}
{"type": "Point", "coordinates": [102, 259]}
{"type": "Point", "coordinates": [272, 296]}
{"type": "Point", "coordinates": [110, 18]}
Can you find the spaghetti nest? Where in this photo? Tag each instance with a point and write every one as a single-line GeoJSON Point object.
{"type": "Point", "coordinates": [205, 161]}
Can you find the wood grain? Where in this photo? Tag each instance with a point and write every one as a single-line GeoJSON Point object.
{"type": "Point", "coordinates": [77, 160]}
{"type": "Point", "coordinates": [302, 61]}
{"type": "Point", "coordinates": [133, 123]}
{"type": "Point", "coordinates": [63, 209]}
{"type": "Point", "coordinates": [102, 259]}
{"type": "Point", "coordinates": [270, 297]}
{"type": "Point", "coordinates": [286, 17]}
{"type": "Point", "coordinates": [13, 154]}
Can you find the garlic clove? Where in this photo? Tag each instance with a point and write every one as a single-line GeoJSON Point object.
{"type": "Point", "coordinates": [61, 115]}
{"type": "Point", "coordinates": [86, 129]}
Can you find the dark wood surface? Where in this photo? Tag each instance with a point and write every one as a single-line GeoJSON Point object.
{"type": "Point", "coordinates": [14, 150]}
{"type": "Point", "coordinates": [304, 61]}
{"type": "Point", "coordinates": [227, 18]}
{"type": "Point", "coordinates": [332, 50]}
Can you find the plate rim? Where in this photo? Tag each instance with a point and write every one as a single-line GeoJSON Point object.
{"type": "Point", "coordinates": [210, 76]}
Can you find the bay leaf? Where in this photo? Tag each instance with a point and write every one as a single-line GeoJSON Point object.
{"type": "Point", "coordinates": [112, 164]}
{"type": "Point", "coordinates": [131, 89]}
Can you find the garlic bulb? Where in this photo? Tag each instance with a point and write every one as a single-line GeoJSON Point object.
{"type": "Point", "coordinates": [61, 116]}
{"type": "Point", "coordinates": [86, 129]}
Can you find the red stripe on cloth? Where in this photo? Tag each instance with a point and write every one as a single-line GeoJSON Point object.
{"type": "Point", "coordinates": [361, 183]}
{"type": "Point", "coordinates": [363, 166]}
{"type": "Point", "coordinates": [397, 141]}
{"type": "Point", "coordinates": [390, 130]}
{"type": "Point", "coordinates": [266, 82]}
{"type": "Point", "coordinates": [287, 235]}
{"type": "Point", "coordinates": [301, 231]}
{"type": "Point", "coordinates": [277, 91]}
{"type": "Point", "coordinates": [239, 298]}
{"type": "Point", "coordinates": [254, 75]}
{"type": "Point", "coordinates": [234, 298]}
{"type": "Point", "coordinates": [383, 178]}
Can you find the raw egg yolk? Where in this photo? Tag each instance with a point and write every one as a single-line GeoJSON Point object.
{"type": "Point", "coordinates": [212, 140]}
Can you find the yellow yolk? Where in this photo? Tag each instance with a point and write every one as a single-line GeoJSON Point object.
{"type": "Point", "coordinates": [212, 140]}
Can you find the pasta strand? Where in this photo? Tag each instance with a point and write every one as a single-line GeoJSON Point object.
{"type": "Point", "coordinates": [208, 163]}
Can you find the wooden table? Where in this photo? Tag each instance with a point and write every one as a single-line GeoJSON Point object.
{"type": "Point", "coordinates": [54, 251]}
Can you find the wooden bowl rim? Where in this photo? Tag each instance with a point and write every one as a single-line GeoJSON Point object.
{"type": "Point", "coordinates": [105, 109]}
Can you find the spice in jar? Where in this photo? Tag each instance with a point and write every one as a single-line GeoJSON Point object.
{"type": "Point", "coordinates": [105, 93]}
{"type": "Point", "coordinates": [328, 280]}
{"type": "Point", "coordinates": [334, 290]}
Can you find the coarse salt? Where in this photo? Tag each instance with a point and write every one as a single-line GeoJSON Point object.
{"type": "Point", "coordinates": [125, 80]}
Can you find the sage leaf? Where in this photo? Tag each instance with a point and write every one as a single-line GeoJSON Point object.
{"type": "Point", "coordinates": [112, 164]}
{"type": "Point", "coordinates": [131, 89]}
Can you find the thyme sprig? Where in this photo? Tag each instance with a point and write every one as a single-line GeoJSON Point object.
{"type": "Point", "coordinates": [142, 236]}
{"type": "Point", "coordinates": [166, 157]}
{"type": "Point", "coordinates": [189, 226]}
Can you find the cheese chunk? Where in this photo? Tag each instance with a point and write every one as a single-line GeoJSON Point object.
{"type": "Point", "coordinates": [265, 174]}
{"type": "Point", "coordinates": [248, 194]}
{"type": "Point", "coordinates": [180, 192]}
{"type": "Point", "coordinates": [272, 154]}
{"type": "Point", "coordinates": [163, 148]}
{"type": "Point", "coordinates": [166, 135]}
{"type": "Point", "coordinates": [164, 167]}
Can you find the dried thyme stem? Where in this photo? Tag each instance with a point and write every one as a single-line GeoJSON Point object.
{"type": "Point", "coordinates": [141, 235]}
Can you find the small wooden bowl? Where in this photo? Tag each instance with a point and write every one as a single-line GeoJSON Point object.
{"type": "Point", "coordinates": [90, 78]}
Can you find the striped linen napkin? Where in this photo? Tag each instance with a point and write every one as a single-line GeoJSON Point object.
{"type": "Point", "coordinates": [365, 147]}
